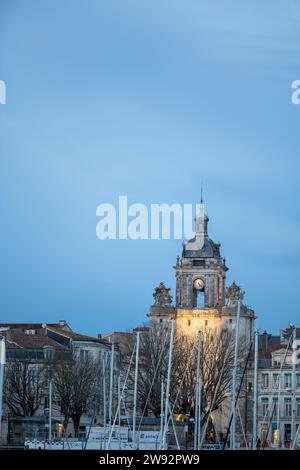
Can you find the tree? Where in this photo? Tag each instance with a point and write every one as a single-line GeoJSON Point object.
{"type": "Point", "coordinates": [153, 358]}
{"type": "Point", "coordinates": [25, 386]}
{"type": "Point", "coordinates": [153, 368]}
{"type": "Point", "coordinates": [76, 387]}
{"type": "Point", "coordinates": [216, 370]}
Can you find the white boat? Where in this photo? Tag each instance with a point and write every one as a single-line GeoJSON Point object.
{"type": "Point", "coordinates": [98, 439]}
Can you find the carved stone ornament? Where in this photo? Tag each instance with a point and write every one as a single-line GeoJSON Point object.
{"type": "Point", "coordinates": [233, 294]}
{"type": "Point", "coordinates": [162, 295]}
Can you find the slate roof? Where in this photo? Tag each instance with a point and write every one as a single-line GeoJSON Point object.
{"type": "Point", "coordinates": [20, 340]}
{"type": "Point", "coordinates": [30, 326]}
{"type": "Point", "coordinates": [210, 249]}
{"type": "Point", "coordinates": [76, 336]}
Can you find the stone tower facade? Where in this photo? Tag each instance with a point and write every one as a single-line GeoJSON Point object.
{"type": "Point", "coordinates": [202, 298]}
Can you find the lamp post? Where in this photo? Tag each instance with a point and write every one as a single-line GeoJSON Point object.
{"type": "Point", "coordinates": [186, 430]}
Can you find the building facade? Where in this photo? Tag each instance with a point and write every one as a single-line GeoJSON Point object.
{"type": "Point", "coordinates": [278, 391]}
{"type": "Point", "coordinates": [35, 347]}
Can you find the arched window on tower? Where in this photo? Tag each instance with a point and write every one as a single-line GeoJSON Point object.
{"type": "Point", "coordinates": [198, 293]}
{"type": "Point", "coordinates": [200, 299]}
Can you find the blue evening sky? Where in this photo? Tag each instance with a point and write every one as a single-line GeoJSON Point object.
{"type": "Point", "coordinates": [146, 98]}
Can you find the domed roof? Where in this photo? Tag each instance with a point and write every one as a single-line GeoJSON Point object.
{"type": "Point", "coordinates": [201, 246]}
{"type": "Point", "coordinates": [209, 249]}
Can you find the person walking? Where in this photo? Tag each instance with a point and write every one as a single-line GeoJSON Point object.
{"type": "Point", "coordinates": [258, 444]}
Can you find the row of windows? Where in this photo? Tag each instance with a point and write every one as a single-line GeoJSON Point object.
{"type": "Point", "coordinates": [287, 409]}
{"type": "Point", "coordinates": [287, 380]}
{"type": "Point", "coordinates": [85, 353]}
{"type": "Point", "coordinates": [189, 322]}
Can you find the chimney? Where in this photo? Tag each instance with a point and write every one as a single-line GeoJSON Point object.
{"type": "Point", "coordinates": [62, 322]}
{"type": "Point", "coordinates": [264, 341]}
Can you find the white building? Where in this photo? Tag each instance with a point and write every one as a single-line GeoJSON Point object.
{"type": "Point", "coordinates": [41, 344]}
{"type": "Point", "coordinates": [278, 395]}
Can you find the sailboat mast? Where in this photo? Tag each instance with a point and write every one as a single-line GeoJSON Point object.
{"type": "Point", "coordinates": [197, 428]}
{"type": "Point", "coordinates": [2, 365]}
{"type": "Point", "coordinates": [199, 390]}
{"type": "Point", "coordinates": [104, 397]}
{"type": "Point", "coordinates": [161, 413]}
{"type": "Point", "coordinates": [254, 436]}
{"type": "Point", "coordinates": [111, 383]}
{"type": "Point", "coordinates": [294, 356]}
{"type": "Point", "coordinates": [119, 401]}
{"type": "Point", "coordinates": [168, 385]}
{"type": "Point", "coordinates": [50, 414]}
{"type": "Point", "coordinates": [237, 333]}
{"type": "Point", "coordinates": [135, 386]}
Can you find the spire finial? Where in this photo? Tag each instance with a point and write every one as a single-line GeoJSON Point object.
{"type": "Point", "coordinates": [201, 193]}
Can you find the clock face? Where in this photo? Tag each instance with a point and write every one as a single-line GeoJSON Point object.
{"type": "Point", "coordinates": [198, 284]}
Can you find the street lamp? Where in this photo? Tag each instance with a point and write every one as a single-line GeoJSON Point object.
{"type": "Point", "coordinates": [186, 429]}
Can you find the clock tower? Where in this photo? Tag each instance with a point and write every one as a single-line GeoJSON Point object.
{"type": "Point", "coordinates": [201, 271]}
{"type": "Point", "coordinates": [202, 299]}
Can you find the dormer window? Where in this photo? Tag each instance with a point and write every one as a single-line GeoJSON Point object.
{"type": "Point", "coordinates": [30, 332]}
{"type": "Point", "coordinates": [277, 359]}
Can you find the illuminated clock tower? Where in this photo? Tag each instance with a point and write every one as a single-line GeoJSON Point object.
{"type": "Point", "coordinates": [202, 299]}
{"type": "Point", "coordinates": [201, 271]}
